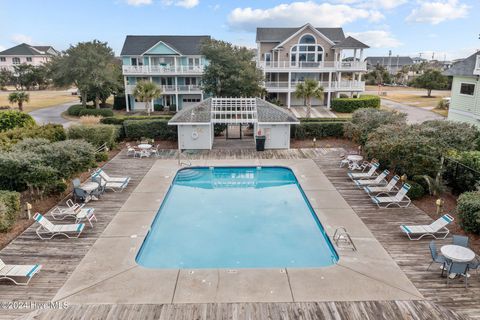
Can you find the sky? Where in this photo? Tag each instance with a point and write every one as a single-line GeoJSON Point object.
{"type": "Point", "coordinates": [444, 29]}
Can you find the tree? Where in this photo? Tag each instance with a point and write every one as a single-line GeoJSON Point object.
{"type": "Point", "coordinates": [231, 71]}
{"type": "Point", "coordinates": [431, 79]}
{"type": "Point", "coordinates": [19, 98]}
{"type": "Point", "coordinates": [6, 77]}
{"type": "Point", "coordinates": [378, 75]}
{"type": "Point", "coordinates": [90, 66]}
{"type": "Point", "coordinates": [308, 90]}
{"type": "Point", "coordinates": [146, 91]}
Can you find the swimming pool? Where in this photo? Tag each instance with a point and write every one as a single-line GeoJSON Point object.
{"type": "Point", "coordinates": [236, 217]}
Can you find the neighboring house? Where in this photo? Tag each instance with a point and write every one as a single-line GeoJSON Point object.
{"type": "Point", "coordinates": [26, 54]}
{"type": "Point", "coordinates": [465, 100]}
{"type": "Point", "coordinates": [288, 56]}
{"type": "Point", "coordinates": [174, 63]}
{"type": "Point", "coordinates": [393, 64]}
{"type": "Point", "coordinates": [418, 60]}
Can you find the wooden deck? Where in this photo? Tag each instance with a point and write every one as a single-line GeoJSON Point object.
{"type": "Point", "coordinates": [60, 257]}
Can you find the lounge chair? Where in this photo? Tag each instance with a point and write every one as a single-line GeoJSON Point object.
{"type": "Point", "coordinates": [400, 199]}
{"type": "Point", "coordinates": [107, 182]}
{"type": "Point", "coordinates": [78, 213]}
{"type": "Point", "coordinates": [48, 230]}
{"type": "Point", "coordinates": [361, 175]}
{"type": "Point", "coordinates": [62, 212]}
{"type": "Point", "coordinates": [378, 181]}
{"type": "Point", "coordinates": [436, 258]}
{"type": "Point", "coordinates": [16, 273]}
{"type": "Point", "coordinates": [460, 241]}
{"type": "Point", "coordinates": [437, 229]}
{"type": "Point", "coordinates": [390, 187]}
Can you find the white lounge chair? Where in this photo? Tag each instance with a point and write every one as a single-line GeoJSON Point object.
{"type": "Point", "coordinates": [62, 212]}
{"type": "Point", "coordinates": [16, 273]}
{"type": "Point", "coordinates": [400, 199]}
{"type": "Point", "coordinates": [107, 182]}
{"type": "Point", "coordinates": [78, 213]}
{"type": "Point", "coordinates": [437, 229]}
{"type": "Point", "coordinates": [390, 187]}
{"type": "Point", "coordinates": [378, 181]}
{"type": "Point", "coordinates": [365, 175]}
{"type": "Point", "coordinates": [48, 230]}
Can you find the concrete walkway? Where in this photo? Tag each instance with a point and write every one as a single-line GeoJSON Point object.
{"type": "Point", "coordinates": [414, 114]}
{"type": "Point", "coordinates": [53, 115]}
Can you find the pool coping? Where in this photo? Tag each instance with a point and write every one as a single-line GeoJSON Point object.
{"type": "Point", "coordinates": [109, 273]}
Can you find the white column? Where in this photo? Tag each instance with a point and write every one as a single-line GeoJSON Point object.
{"type": "Point", "coordinates": [339, 80]}
{"type": "Point", "coordinates": [329, 93]}
{"type": "Point", "coordinates": [175, 63]}
{"type": "Point", "coordinates": [354, 55]}
{"type": "Point", "coordinates": [289, 89]}
{"type": "Point", "coordinates": [361, 55]}
{"type": "Point", "coordinates": [126, 94]}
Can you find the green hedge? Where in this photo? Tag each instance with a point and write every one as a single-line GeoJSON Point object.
{"type": "Point", "coordinates": [468, 211]}
{"type": "Point", "coordinates": [153, 129]}
{"type": "Point", "coordinates": [416, 191]}
{"type": "Point", "coordinates": [51, 132]}
{"type": "Point", "coordinates": [120, 119]}
{"type": "Point", "coordinates": [349, 105]}
{"type": "Point", "coordinates": [77, 110]}
{"type": "Point", "coordinates": [74, 110]}
{"type": "Point", "coordinates": [15, 119]}
{"type": "Point", "coordinates": [310, 130]}
{"type": "Point", "coordinates": [463, 175]}
{"type": "Point", "coordinates": [9, 209]}
{"type": "Point", "coordinates": [95, 134]}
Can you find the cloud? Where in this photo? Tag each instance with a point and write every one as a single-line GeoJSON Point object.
{"type": "Point", "coordinates": [298, 13]}
{"type": "Point", "coordinates": [2, 48]}
{"type": "Point", "coordinates": [21, 38]}
{"type": "Point", "coordinates": [439, 11]}
{"type": "Point", "coordinates": [214, 7]}
{"type": "Point", "coordinates": [139, 2]}
{"type": "Point", "coordinates": [377, 38]}
{"type": "Point", "coordinates": [188, 4]}
{"type": "Point", "coordinates": [376, 4]}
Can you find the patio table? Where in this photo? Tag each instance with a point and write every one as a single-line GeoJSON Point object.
{"type": "Point", "coordinates": [457, 253]}
{"type": "Point", "coordinates": [354, 161]}
{"type": "Point", "coordinates": [145, 149]}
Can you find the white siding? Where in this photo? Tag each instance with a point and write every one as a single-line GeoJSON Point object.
{"type": "Point", "coordinates": [277, 135]}
{"type": "Point", "coordinates": [186, 139]}
{"type": "Point", "coordinates": [463, 107]}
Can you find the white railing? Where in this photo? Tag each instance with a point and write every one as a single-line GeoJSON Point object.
{"type": "Point", "coordinates": [327, 65]}
{"type": "Point", "coordinates": [476, 71]}
{"type": "Point", "coordinates": [169, 88]}
{"type": "Point", "coordinates": [335, 85]}
{"type": "Point", "coordinates": [156, 69]}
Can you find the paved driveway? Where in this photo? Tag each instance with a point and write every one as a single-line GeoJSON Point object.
{"type": "Point", "coordinates": [414, 114]}
{"type": "Point", "coordinates": [53, 115]}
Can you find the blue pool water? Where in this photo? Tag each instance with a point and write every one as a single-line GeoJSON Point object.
{"type": "Point", "coordinates": [236, 217]}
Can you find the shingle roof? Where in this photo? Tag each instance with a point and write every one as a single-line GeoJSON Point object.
{"type": "Point", "coordinates": [280, 34]}
{"type": "Point", "coordinates": [350, 43]}
{"type": "Point", "coordinates": [201, 113]}
{"type": "Point", "coordinates": [401, 61]}
{"type": "Point", "coordinates": [464, 67]}
{"type": "Point", "coordinates": [24, 49]}
{"type": "Point", "coordinates": [186, 45]}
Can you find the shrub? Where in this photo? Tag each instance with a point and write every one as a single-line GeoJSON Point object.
{"type": "Point", "coordinates": [15, 119]}
{"type": "Point", "coordinates": [461, 174]}
{"type": "Point", "coordinates": [9, 209]}
{"type": "Point", "coordinates": [51, 132]}
{"type": "Point", "coordinates": [89, 120]}
{"type": "Point", "coordinates": [173, 108]}
{"type": "Point", "coordinates": [468, 211]}
{"type": "Point", "coordinates": [218, 128]}
{"type": "Point", "coordinates": [74, 110]}
{"type": "Point", "coordinates": [451, 135]}
{"type": "Point", "coordinates": [420, 179]}
{"type": "Point", "coordinates": [120, 119]}
{"type": "Point", "coordinates": [349, 105]}
{"type": "Point", "coordinates": [157, 107]}
{"type": "Point", "coordinates": [153, 129]}
{"type": "Point", "coordinates": [309, 130]}
{"type": "Point", "coordinates": [365, 121]}
{"type": "Point", "coordinates": [101, 156]}
{"type": "Point", "coordinates": [96, 112]}
{"type": "Point", "coordinates": [119, 103]}
{"type": "Point", "coordinates": [416, 191]}
{"type": "Point", "coordinates": [95, 134]}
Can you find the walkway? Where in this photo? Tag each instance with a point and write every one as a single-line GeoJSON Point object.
{"type": "Point", "coordinates": [414, 114]}
{"type": "Point", "coordinates": [53, 115]}
{"type": "Point", "coordinates": [317, 112]}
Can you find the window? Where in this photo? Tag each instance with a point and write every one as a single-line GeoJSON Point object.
{"type": "Point", "coordinates": [467, 88]}
{"type": "Point", "coordinates": [268, 56]}
{"type": "Point", "coordinates": [306, 51]}
{"type": "Point", "coordinates": [307, 39]}
{"type": "Point", "coordinates": [29, 59]}
{"type": "Point", "coordinates": [3, 59]}
{"type": "Point", "coordinates": [16, 60]}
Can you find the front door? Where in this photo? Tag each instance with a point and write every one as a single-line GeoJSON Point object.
{"type": "Point", "coordinates": [234, 131]}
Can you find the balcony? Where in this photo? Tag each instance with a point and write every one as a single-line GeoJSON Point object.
{"type": "Point", "coordinates": [476, 71]}
{"type": "Point", "coordinates": [324, 66]}
{"type": "Point", "coordinates": [282, 86]}
{"type": "Point", "coordinates": [170, 89]}
{"type": "Point", "coordinates": [161, 70]}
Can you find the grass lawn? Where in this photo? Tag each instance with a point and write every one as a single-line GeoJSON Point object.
{"type": "Point", "coordinates": [40, 99]}
{"type": "Point", "coordinates": [417, 100]}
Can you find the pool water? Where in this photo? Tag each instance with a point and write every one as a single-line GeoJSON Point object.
{"type": "Point", "coordinates": [236, 217]}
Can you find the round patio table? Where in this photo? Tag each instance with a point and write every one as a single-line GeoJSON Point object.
{"type": "Point", "coordinates": [354, 158]}
{"type": "Point", "coordinates": [145, 146]}
{"type": "Point", "coordinates": [457, 253]}
{"type": "Point", "coordinates": [90, 186]}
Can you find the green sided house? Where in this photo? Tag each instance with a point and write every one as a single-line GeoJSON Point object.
{"type": "Point", "coordinates": [465, 101]}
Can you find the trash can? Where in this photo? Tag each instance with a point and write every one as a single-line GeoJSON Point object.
{"type": "Point", "coordinates": [260, 143]}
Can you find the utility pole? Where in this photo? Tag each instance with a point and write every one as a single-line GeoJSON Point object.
{"type": "Point", "coordinates": [390, 61]}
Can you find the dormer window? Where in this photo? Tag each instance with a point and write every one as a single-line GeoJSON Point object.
{"type": "Point", "coordinates": [308, 39]}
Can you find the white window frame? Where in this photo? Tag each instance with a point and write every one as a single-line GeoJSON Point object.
{"type": "Point", "coordinates": [297, 53]}
{"type": "Point", "coordinates": [464, 94]}
{"type": "Point", "coordinates": [3, 59]}
{"type": "Point", "coordinates": [14, 60]}
{"type": "Point", "coordinates": [29, 59]}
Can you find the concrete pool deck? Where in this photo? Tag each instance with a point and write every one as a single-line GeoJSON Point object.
{"type": "Point", "coordinates": [109, 273]}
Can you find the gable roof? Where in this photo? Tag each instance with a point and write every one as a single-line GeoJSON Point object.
{"type": "Point", "coordinates": [402, 61]}
{"type": "Point", "coordinates": [186, 45]}
{"type": "Point", "coordinates": [24, 49]}
{"type": "Point", "coordinates": [281, 34]}
{"type": "Point", "coordinates": [464, 67]}
{"type": "Point", "coordinates": [351, 43]}
{"type": "Point", "coordinates": [201, 113]}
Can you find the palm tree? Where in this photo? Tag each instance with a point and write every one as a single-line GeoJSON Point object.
{"type": "Point", "coordinates": [19, 98]}
{"type": "Point", "coordinates": [308, 90]}
{"type": "Point", "coordinates": [146, 91]}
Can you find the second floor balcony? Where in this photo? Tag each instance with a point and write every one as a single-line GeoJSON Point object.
{"type": "Point", "coordinates": [344, 85]}
{"type": "Point", "coordinates": [171, 89]}
{"type": "Point", "coordinates": [322, 66]}
{"type": "Point", "coordinates": [161, 69]}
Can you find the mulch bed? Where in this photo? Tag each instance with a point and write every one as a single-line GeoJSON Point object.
{"type": "Point", "coordinates": [324, 143]}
